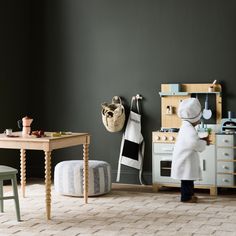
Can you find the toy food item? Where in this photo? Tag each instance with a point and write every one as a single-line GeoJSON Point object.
{"type": "Point", "coordinates": [38, 133]}
{"type": "Point", "coordinates": [56, 134]}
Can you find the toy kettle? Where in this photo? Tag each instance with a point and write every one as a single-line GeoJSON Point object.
{"type": "Point", "coordinates": [25, 124]}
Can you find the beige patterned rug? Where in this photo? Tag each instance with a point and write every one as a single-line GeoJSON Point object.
{"type": "Point", "coordinates": [120, 213]}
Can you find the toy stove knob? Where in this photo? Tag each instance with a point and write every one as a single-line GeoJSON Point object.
{"type": "Point", "coordinates": [164, 138]}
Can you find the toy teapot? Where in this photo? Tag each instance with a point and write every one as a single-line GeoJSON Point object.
{"type": "Point", "coordinates": [25, 125]}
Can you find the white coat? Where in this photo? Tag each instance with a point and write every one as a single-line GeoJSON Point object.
{"type": "Point", "coordinates": [185, 159]}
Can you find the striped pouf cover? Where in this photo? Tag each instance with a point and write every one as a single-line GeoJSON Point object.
{"type": "Point", "coordinates": [68, 178]}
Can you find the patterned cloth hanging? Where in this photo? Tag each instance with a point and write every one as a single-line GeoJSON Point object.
{"type": "Point", "coordinates": [132, 144]}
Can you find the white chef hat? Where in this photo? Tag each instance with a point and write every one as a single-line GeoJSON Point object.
{"type": "Point", "coordinates": [190, 110]}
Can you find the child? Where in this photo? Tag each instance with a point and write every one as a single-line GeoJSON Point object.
{"type": "Point", "coordinates": [186, 162]}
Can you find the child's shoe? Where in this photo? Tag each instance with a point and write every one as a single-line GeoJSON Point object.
{"type": "Point", "coordinates": [192, 200]}
{"type": "Point", "coordinates": [195, 197]}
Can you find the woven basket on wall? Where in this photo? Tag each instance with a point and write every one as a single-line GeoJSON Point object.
{"type": "Point", "coordinates": [113, 115]}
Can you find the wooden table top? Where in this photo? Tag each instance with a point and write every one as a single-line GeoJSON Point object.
{"type": "Point", "coordinates": [47, 142]}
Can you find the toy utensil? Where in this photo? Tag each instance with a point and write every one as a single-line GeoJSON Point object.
{"type": "Point", "coordinates": [211, 88]}
{"type": "Point", "coordinates": [207, 113]}
{"type": "Point", "coordinates": [213, 83]}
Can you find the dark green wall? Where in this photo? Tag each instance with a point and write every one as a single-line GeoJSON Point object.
{"type": "Point", "coordinates": [83, 52]}
{"type": "Point", "coordinates": [98, 49]}
{"type": "Point", "coordinates": [14, 69]}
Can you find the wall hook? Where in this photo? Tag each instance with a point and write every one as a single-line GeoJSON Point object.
{"type": "Point", "coordinates": [138, 96]}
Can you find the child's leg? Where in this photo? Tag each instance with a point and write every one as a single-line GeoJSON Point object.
{"type": "Point", "coordinates": [187, 187]}
{"type": "Point", "coordinates": [192, 186]}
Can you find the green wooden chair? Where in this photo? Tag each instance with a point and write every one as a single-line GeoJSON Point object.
{"type": "Point", "coordinates": [9, 173]}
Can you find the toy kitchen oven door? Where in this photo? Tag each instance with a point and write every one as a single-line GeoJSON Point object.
{"type": "Point", "coordinates": [163, 146]}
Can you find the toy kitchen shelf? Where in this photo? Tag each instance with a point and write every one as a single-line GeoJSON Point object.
{"type": "Point", "coordinates": [163, 142]}
{"type": "Point", "coordinates": [162, 94]}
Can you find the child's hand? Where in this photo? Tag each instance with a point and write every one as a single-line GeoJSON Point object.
{"type": "Point", "coordinates": [206, 139]}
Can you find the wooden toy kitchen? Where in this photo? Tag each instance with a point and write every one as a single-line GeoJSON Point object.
{"type": "Point", "coordinates": [218, 161]}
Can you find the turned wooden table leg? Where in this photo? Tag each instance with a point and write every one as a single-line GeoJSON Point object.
{"type": "Point", "coordinates": [48, 183]}
{"type": "Point", "coordinates": [22, 171]}
{"type": "Point", "coordinates": [85, 171]}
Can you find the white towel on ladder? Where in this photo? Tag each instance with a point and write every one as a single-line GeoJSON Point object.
{"type": "Point", "coordinates": [132, 144]}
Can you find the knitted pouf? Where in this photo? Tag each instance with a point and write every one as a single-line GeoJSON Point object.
{"type": "Point", "coordinates": [68, 178]}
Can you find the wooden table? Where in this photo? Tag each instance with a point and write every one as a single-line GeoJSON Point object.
{"type": "Point", "coordinates": [47, 144]}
